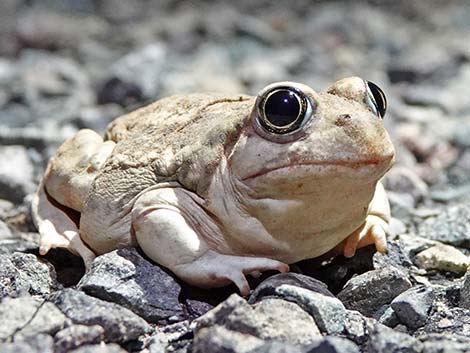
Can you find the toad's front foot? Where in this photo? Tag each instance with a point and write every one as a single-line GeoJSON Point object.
{"type": "Point", "coordinates": [216, 270]}
{"type": "Point", "coordinates": [372, 231]}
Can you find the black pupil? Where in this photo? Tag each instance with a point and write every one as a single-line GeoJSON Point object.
{"type": "Point", "coordinates": [282, 108]}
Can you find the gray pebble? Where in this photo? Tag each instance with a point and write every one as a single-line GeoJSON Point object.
{"type": "Point", "coordinates": [328, 312]}
{"type": "Point", "coordinates": [412, 307]}
{"type": "Point", "coordinates": [270, 319]}
{"type": "Point", "coordinates": [367, 292]}
{"type": "Point", "coordinates": [25, 274]}
{"type": "Point", "coordinates": [119, 324]}
{"type": "Point", "coordinates": [27, 317]}
{"type": "Point", "coordinates": [123, 276]}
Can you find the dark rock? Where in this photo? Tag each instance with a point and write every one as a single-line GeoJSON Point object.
{"type": "Point", "coordinates": [270, 319]}
{"type": "Point", "coordinates": [123, 276]}
{"type": "Point", "coordinates": [218, 339]}
{"type": "Point", "coordinates": [120, 324]}
{"type": "Point", "coordinates": [332, 345]}
{"type": "Point", "coordinates": [268, 287]}
{"type": "Point", "coordinates": [450, 321]}
{"type": "Point", "coordinates": [77, 335]}
{"type": "Point", "coordinates": [412, 307]}
{"type": "Point", "coordinates": [120, 92]}
{"type": "Point", "coordinates": [26, 317]}
{"type": "Point", "coordinates": [367, 292]}
{"type": "Point", "coordinates": [385, 340]}
{"type": "Point", "coordinates": [451, 226]}
{"type": "Point", "coordinates": [24, 273]}
{"type": "Point", "coordinates": [39, 343]}
{"type": "Point", "coordinates": [16, 174]}
{"type": "Point", "coordinates": [99, 348]}
{"type": "Point", "coordinates": [197, 308]}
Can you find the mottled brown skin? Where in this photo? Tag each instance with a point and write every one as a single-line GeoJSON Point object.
{"type": "Point", "coordinates": [197, 183]}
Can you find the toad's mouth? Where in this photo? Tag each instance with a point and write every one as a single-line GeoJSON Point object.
{"type": "Point", "coordinates": [323, 165]}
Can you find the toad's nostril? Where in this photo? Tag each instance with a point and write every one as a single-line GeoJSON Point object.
{"type": "Point", "coordinates": [343, 120]}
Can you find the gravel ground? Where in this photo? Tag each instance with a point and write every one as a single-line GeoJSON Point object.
{"type": "Point", "coordinates": [66, 65]}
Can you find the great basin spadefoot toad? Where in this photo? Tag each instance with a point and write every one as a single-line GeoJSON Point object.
{"type": "Point", "coordinates": [216, 187]}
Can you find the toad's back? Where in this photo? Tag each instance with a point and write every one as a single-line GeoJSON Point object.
{"type": "Point", "coordinates": [153, 145]}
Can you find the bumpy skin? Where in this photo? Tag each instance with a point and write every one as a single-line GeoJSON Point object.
{"type": "Point", "coordinates": [203, 190]}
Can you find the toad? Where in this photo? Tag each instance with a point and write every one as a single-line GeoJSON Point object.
{"type": "Point", "coordinates": [217, 187]}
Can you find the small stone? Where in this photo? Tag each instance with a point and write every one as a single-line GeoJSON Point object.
{"type": "Point", "coordinates": [356, 327]}
{"type": "Point", "coordinates": [21, 274]}
{"type": "Point", "coordinates": [328, 312]}
{"type": "Point", "coordinates": [219, 339]}
{"type": "Point", "coordinates": [444, 258]}
{"type": "Point", "coordinates": [16, 174]}
{"type": "Point", "coordinates": [451, 226]}
{"type": "Point", "coordinates": [39, 343]}
{"type": "Point", "coordinates": [412, 307]}
{"type": "Point", "coordinates": [386, 340]}
{"type": "Point", "coordinates": [123, 276]}
{"type": "Point", "coordinates": [268, 287]}
{"type": "Point", "coordinates": [26, 317]}
{"type": "Point", "coordinates": [369, 291]}
{"type": "Point", "coordinates": [75, 336]}
{"type": "Point", "coordinates": [119, 324]}
{"type": "Point", "coordinates": [332, 344]}
{"type": "Point", "coordinates": [270, 319]}
{"type": "Point", "coordinates": [99, 348]}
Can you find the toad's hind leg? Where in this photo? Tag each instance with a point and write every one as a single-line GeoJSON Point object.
{"type": "Point", "coordinates": [64, 189]}
{"type": "Point", "coordinates": [57, 229]}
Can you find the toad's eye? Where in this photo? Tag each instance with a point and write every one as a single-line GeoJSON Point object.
{"type": "Point", "coordinates": [282, 110]}
{"type": "Point", "coordinates": [376, 99]}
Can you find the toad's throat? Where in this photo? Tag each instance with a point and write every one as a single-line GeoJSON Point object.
{"type": "Point", "coordinates": [339, 163]}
